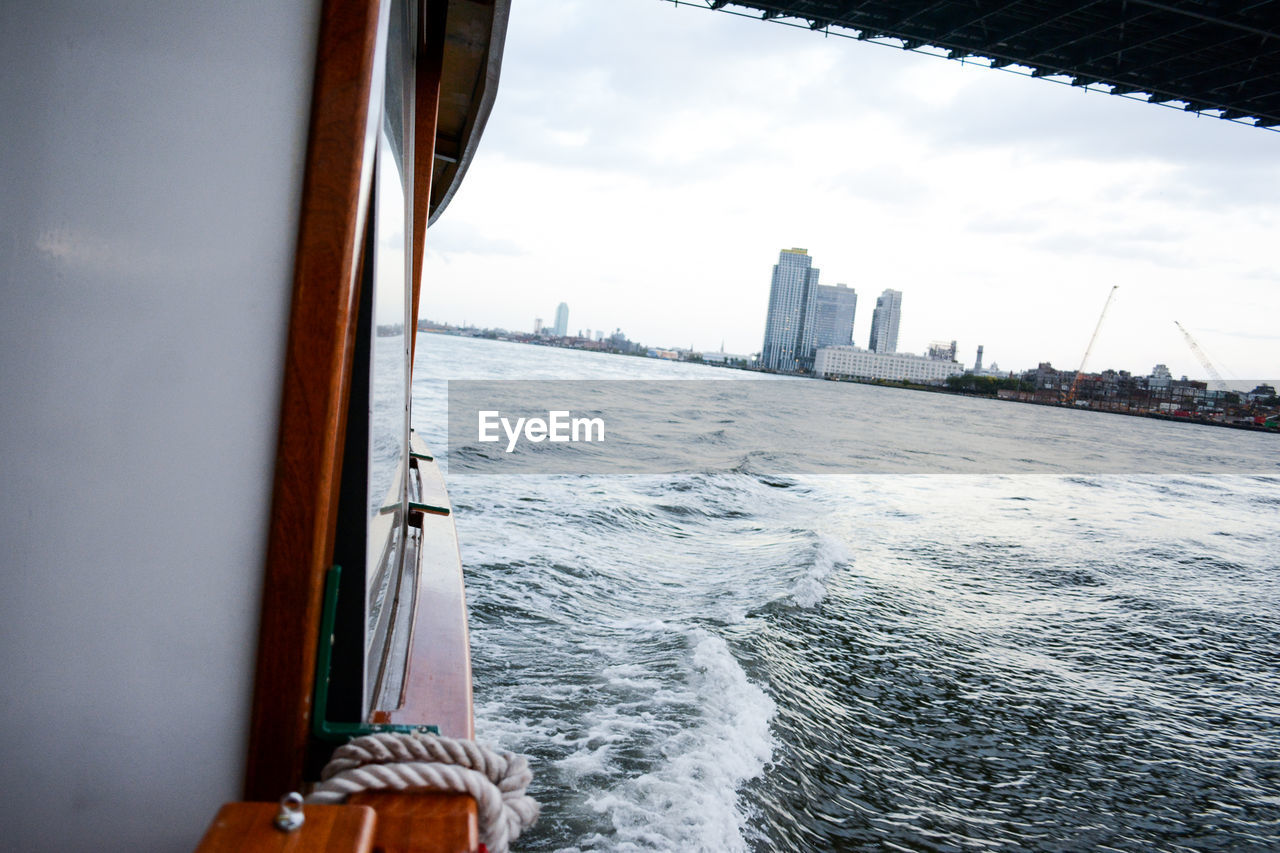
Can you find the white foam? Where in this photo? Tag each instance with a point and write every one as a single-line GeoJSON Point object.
{"type": "Point", "coordinates": [690, 800]}
{"type": "Point", "coordinates": [811, 588]}
{"type": "Point", "coordinates": [631, 676]}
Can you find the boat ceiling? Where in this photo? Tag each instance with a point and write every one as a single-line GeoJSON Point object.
{"type": "Point", "coordinates": [475, 31]}
{"type": "Point", "coordinates": [1216, 56]}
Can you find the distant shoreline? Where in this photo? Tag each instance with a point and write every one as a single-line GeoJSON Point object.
{"type": "Point", "coordinates": [886, 383]}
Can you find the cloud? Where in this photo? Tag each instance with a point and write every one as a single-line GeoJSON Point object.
{"type": "Point", "coordinates": [645, 163]}
{"type": "Point", "coordinates": [455, 237]}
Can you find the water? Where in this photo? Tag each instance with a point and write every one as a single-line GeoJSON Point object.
{"type": "Point", "coordinates": [743, 658]}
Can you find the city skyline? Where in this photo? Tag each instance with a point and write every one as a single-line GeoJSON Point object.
{"type": "Point", "coordinates": [1006, 207]}
{"type": "Point", "coordinates": [937, 351]}
{"type": "Point", "coordinates": [1196, 372]}
{"type": "Point", "coordinates": [805, 316]}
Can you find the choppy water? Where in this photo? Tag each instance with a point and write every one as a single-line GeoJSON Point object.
{"type": "Point", "coordinates": [742, 658]}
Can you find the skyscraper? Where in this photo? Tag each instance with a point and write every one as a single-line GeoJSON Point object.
{"type": "Point", "coordinates": [833, 312]}
{"type": "Point", "coordinates": [788, 332]}
{"type": "Point", "coordinates": [884, 322]}
{"type": "Point", "coordinates": [562, 320]}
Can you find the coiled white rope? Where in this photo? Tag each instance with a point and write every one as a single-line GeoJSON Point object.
{"type": "Point", "coordinates": [398, 762]}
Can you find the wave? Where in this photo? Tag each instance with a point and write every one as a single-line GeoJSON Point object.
{"type": "Point", "coordinates": [811, 588]}
{"type": "Point", "coordinates": [688, 800]}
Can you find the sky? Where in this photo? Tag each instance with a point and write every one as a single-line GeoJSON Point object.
{"type": "Point", "coordinates": [645, 163]}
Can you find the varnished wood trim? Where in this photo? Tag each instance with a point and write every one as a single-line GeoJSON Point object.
{"type": "Point", "coordinates": [250, 828]}
{"type": "Point", "coordinates": [422, 821]}
{"type": "Point", "coordinates": [317, 375]}
{"type": "Point", "coordinates": [433, 15]}
{"type": "Point", "coordinates": [437, 679]}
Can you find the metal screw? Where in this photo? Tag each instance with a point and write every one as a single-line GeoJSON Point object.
{"type": "Point", "coordinates": [291, 816]}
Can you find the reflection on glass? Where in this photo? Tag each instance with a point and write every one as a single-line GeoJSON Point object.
{"type": "Point", "coordinates": [389, 361]}
{"type": "Point", "coordinates": [387, 385]}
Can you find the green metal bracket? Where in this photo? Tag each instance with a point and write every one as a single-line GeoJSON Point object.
{"type": "Point", "coordinates": [431, 508]}
{"type": "Point", "coordinates": [425, 457]}
{"type": "Point", "coordinates": [320, 725]}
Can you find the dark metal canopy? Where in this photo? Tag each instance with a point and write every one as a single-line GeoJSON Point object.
{"type": "Point", "coordinates": [1218, 55]}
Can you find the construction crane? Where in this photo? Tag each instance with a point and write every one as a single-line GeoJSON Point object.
{"type": "Point", "coordinates": [1218, 382]}
{"type": "Point", "coordinates": [1075, 383]}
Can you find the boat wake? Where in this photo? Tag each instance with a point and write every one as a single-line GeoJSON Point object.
{"type": "Point", "coordinates": [811, 588]}
{"type": "Point", "coordinates": [688, 799]}
{"type": "Point", "coordinates": [650, 752]}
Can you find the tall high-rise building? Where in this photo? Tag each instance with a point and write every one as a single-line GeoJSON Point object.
{"type": "Point", "coordinates": [884, 322]}
{"type": "Point", "coordinates": [833, 312]}
{"type": "Point", "coordinates": [788, 330]}
{"type": "Point", "coordinates": [562, 320]}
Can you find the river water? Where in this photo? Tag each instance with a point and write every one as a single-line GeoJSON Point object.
{"type": "Point", "coordinates": [743, 657]}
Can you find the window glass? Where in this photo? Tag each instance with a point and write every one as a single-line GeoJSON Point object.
{"type": "Point", "coordinates": [389, 357]}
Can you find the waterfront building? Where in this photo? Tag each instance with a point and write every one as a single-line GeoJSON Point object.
{"type": "Point", "coordinates": [788, 330]}
{"type": "Point", "coordinates": [850, 362]}
{"type": "Point", "coordinates": [537, 325]}
{"type": "Point", "coordinates": [618, 342]}
{"type": "Point", "coordinates": [939, 351]}
{"type": "Point", "coordinates": [1261, 393]}
{"type": "Point", "coordinates": [834, 308]}
{"type": "Point", "coordinates": [885, 318]}
{"type": "Point", "coordinates": [1048, 381]}
{"type": "Point", "coordinates": [562, 320]}
{"type": "Point", "coordinates": [884, 322]}
{"type": "Point", "coordinates": [978, 370]}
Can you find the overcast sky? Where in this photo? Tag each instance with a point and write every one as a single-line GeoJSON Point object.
{"type": "Point", "coordinates": [645, 163]}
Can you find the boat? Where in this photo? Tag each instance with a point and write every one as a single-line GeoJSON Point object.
{"type": "Point", "coordinates": [213, 217]}
{"type": "Point", "coordinates": [213, 229]}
